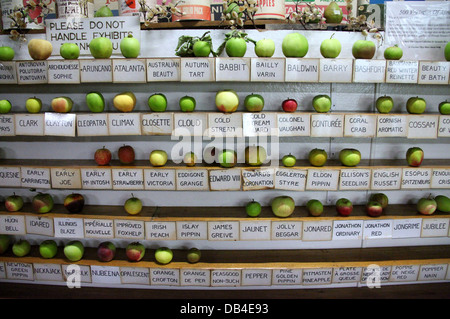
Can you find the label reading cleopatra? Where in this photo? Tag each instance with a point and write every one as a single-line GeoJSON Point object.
{"type": "Point", "coordinates": [92, 124]}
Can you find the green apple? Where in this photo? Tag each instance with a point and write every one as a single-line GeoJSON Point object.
{"type": "Point", "coordinates": [13, 203]}
{"type": "Point", "coordinates": [317, 157]}
{"type": "Point", "coordinates": [363, 49]}
{"type": "Point", "coordinates": [157, 102]}
{"type": "Point", "coordinates": [384, 104]}
{"type": "Point", "coordinates": [321, 103]}
{"type": "Point", "coordinates": [6, 53]}
{"type": "Point", "coordinates": [42, 203]}
{"type": "Point", "coordinates": [236, 47]}
{"type": "Point", "coordinates": [163, 255]}
{"type": "Point", "coordinates": [254, 102]}
{"type": "Point", "coordinates": [133, 205]}
{"type": "Point", "coordinates": [333, 13]}
{"type": "Point", "coordinates": [227, 101]}
{"type": "Point", "coordinates": [350, 156]}
{"type": "Point", "coordinates": [426, 205]}
{"type": "Point", "coordinates": [187, 104]}
{"type": "Point", "coordinates": [315, 207]}
{"type": "Point", "coordinates": [158, 158]}
{"type": "Point", "coordinates": [101, 48]}
{"type": "Point", "coordinates": [104, 11]}
{"type": "Point", "coordinates": [48, 248]}
{"type": "Point", "coordinates": [5, 240]}
{"type": "Point", "coordinates": [227, 158]}
{"type": "Point", "coordinates": [255, 155]}
{"type": "Point", "coordinates": [443, 203]}
{"type": "Point", "coordinates": [69, 51]}
{"type": "Point", "coordinates": [193, 255]}
{"type": "Point", "coordinates": [253, 208]}
{"type": "Point", "coordinates": [33, 105]}
{"type": "Point", "coordinates": [5, 106]}
{"type": "Point", "coordinates": [330, 48]}
{"type": "Point", "coordinates": [265, 48]}
{"type": "Point", "coordinates": [21, 248]}
{"type": "Point", "coordinates": [381, 198]}
{"type": "Point", "coordinates": [414, 156]}
{"type": "Point", "coordinates": [190, 159]}
{"type": "Point", "coordinates": [444, 108]}
{"type": "Point", "coordinates": [393, 53]}
{"type": "Point", "coordinates": [74, 250]}
{"type": "Point", "coordinates": [201, 48]}
{"type": "Point", "coordinates": [447, 51]}
{"type": "Point", "coordinates": [289, 160]}
{"type": "Point", "coordinates": [416, 105]}
{"type": "Point", "coordinates": [294, 45]}
{"type": "Point", "coordinates": [95, 102]}
{"type": "Point", "coordinates": [283, 206]}
{"type": "Point", "coordinates": [130, 47]}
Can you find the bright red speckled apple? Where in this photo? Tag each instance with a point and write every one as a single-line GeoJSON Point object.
{"type": "Point", "coordinates": [102, 156]}
{"type": "Point", "coordinates": [289, 105]}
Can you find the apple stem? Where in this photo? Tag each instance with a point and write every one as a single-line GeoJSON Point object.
{"type": "Point", "coordinates": [332, 35]}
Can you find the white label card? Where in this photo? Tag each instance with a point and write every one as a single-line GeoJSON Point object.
{"type": "Point", "coordinates": [225, 179]}
{"type": "Point", "coordinates": [407, 228]}
{"type": "Point", "coordinates": [60, 124]}
{"type": "Point", "coordinates": [322, 179]}
{"type": "Point", "coordinates": [255, 230]}
{"type": "Point", "coordinates": [68, 178]}
{"type": "Point", "coordinates": [63, 72]}
{"type": "Point", "coordinates": [435, 227]}
{"type": "Point", "coordinates": [224, 125]}
{"type": "Point", "coordinates": [317, 276]}
{"type": "Point", "coordinates": [92, 124]}
{"type": "Point", "coordinates": [317, 230]}
{"type": "Point", "coordinates": [360, 125]}
{"type": "Point", "coordinates": [10, 176]}
{"type": "Point", "coordinates": [416, 178]}
{"type": "Point", "coordinates": [402, 71]}
{"type": "Point", "coordinates": [440, 178]}
{"type": "Point", "coordinates": [444, 126]}
{"type": "Point", "coordinates": [302, 70]}
{"type": "Point", "coordinates": [129, 229]}
{"type": "Point", "coordinates": [377, 229]}
{"type": "Point", "coordinates": [354, 179]}
{"type": "Point", "coordinates": [336, 70]}
{"type": "Point", "coordinates": [7, 125]}
{"type": "Point", "coordinates": [259, 124]}
{"type": "Point", "coordinates": [35, 177]}
{"type": "Point", "coordinates": [404, 273]}
{"type": "Point", "coordinates": [124, 123]}
{"type": "Point", "coordinates": [165, 276]}
{"type": "Point", "coordinates": [346, 274]}
{"type": "Point", "coordinates": [293, 124]}
{"type": "Point", "coordinates": [135, 275]}
{"type": "Point", "coordinates": [286, 230]}
{"type": "Point", "coordinates": [105, 274]}
{"type": "Point", "coordinates": [8, 73]}
{"type": "Point", "coordinates": [47, 272]}
{"type": "Point", "coordinates": [128, 178]}
{"type": "Point", "coordinates": [433, 72]}
{"type": "Point", "coordinates": [267, 70]}
{"type": "Point", "coordinates": [96, 70]}
{"type": "Point", "coordinates": [192, 179]}
{"type": "Point", "coordinates": [12, 224]}
{"type": "Point", "coordinates": [394, 125]}
{"type": "Point", "coordinates": [68, 227]}
{"type": "Point", "coordinates": [197, 70]}
{"type": "Point", "coordinates": [225, 277]}
{"type": "Point", "coordinates": [256, 277]}
{"type": "Point", "coordinates": [233, 69]}
{"type": "Point", "coordinates": [386, 178]}
{"type": "Point", "coordinates": [98, 228]}
{"type": "Point", "coordinates": [32, 72]}
{"type": "Point", "coordinates": [129, 71]}
{"type": "Point", "coordinates": [290, 179]}
{"type": "Point", "coordinates": [160, 230]}
{"type": "Point", "coordinates": [258, 178]}
{"type": "Point", "coordinates": [369, 71]}
{"type": "Point", "coordinates": [223, 230]}
{"type": "Point", "coordinates": [286, 276]}
{"type": "Point", "coordinates": [195, 277]}
{"type": "Point", "coordinates": [327, 125]}
{"type": "Point", "coordinates": [38, 225]}
{"type": "Point", "coordinates": [192, 230]}
{"type": "Point", "coordinates": [160, 70]}
{"type": "Point", "coordinates": [159, 179]}
{"type": "Point", "coordinates": [347, 229]}
{"type": "Point", "coordinates": [432, 272]}
{"type": "Point", "coordinates": [157, 123]}
{"type": "Point", "coordinates": [96, 178]}
{"type": "Point", "coordinates": [19, 271]}
{"type": "Point", "coordinates": [423, 126]}
{"type": "Point", "coordinates": [190, 124]}
{"type": "Point", "coordinates": [29, 124]}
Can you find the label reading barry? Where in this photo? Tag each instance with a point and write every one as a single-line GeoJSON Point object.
{"type": "Point", "coordinates": [423, 126]}
{"type": "Point", "coordinates": [433, 72]}
{"type": "Point", "coordinates": [29, 124]}
{"type": "Point", "coordinates": [336, 70]}
{"type": "Point", "coordinates": [416, 178]}
{"type": "Point", "coordinates": [394, 125]}
{"type": "Point", "coordinates": [302, 70]}
{"type": "Point", "coordinates": [386, 178]}
{"type": "Point", "coordinates": [92, 124]}
{"type": "Point", "coordinates": [35, 177]}
{"type": "Point", "coordinates": [440, 178]}
{"type": "Point", "coordinates": [162, 70]}
{"type": "Point", "coordinates": [293, 124]}
{"type": "Point", "coordinates": [96, 178]}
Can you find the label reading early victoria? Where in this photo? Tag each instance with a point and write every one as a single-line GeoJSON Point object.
{"type": "Point", "coordinates": [159, 179]}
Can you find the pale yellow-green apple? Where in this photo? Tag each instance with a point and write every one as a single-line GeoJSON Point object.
{"type": "Point", "coordinates": [317, 157]}
{"type": "Point", "coordinates": [236, 47]}
{"type": "Point", "coordinates": [48, 249]}
{"type": "Point", "coordinates": [289, 105]}
{"type": "Point", "coordinates": [102, 156]}
{"type": "Point", "coordinates": [443, 203]}
{"type": "Point", "coordinates": [163, 255]}
{"type": "Point", "coordinates": [414, 156]}
{"type": "Point", "coordinates": [227, 101]}
{"type": "Point", "coordinates": [74, 203]}
{"type": "Point", "coordinates": [106, 251]}
{"type": "Point", "coordinates": [363, 49]}
{"type": "Point", "coordinates": [95, 102]}
{"type": "Point", "coordinates": [69, 51]}
{"type": "Point", "coordinates": [444, 108]}
{"type": "Point", "coordinates": [393, 53]}
{"type": "Point", "coordinates": [344, 207]}
{"type": "Point", "coordinates": [101, 48]}
{"type": "Point", "coordinates": [6, 53]}
{"type": "Point", "coordinates": [190, 159]}
{"type": "Point", "coordinates": [227, 158]}
{"type": "Point", "coordinates": [447, 51]}
{"type": "Point", "coordinates": [13, 203]}
{"type": "Point", "coordinates": [381, 198]}
{"type": "Point", "coordinates": [42, 203]}
{"type": "Point", "coordinates": [158, 158]}
{"type": "Point", "coordinates": [130, 47]}
{"type": "Point", "coordinates": [254, 102]}
{"type": "Point", "coordinates": [133, 205]}
{"type": "Point", "coordinates": [321, 103]}
{"type": "Point", "coordinates": [294, 45]}
{"type": "Point", "coordinates": [426, 205]}
{"type": "Point", "coordinates": [416, 105]}
{"type": "Point", "coordinates": [157, 102]}
{"type": "Point", "coordinates": [5, 240]}
{"type": "Point", "coordinates": [40, 49]}
{"type": "Point", "coordinates": [126, 154]}
{"type": "Point", "coordinates": [374, 209]}
{"type": "Point", "coordinates": [74, 250]}
{"type": "Point", "coordinates": [315, 207]}
{"type": "Point", "coordinates": [255, 155]}
{"type": "Point", "coordinates": [21, 248]}
{"type": "Point", "coordinates": [330, 48]}
{"type": "Point", "coordinates": [135, 251]}
{"type": "Point", "coordinates": [125, 101]}
{"type": "Point", "coordinates": [193, 255]}
{"type": "Point", "coordinates": [253, 208]}
{"type": "Point", "coordinates": [62, 104]}
{"type": "Point", "coordinates": [283, 206]}
{"type": "Point", "coordinates": [289, 160]}
{"type": "Point", "coordinates": [384, 104]}
{"type": "Point", "coordinates": [350, 156]}
{"type": "Point", "coordinates": [201, 48]}
{"type": "Point", "coordinates": [333, 13]}
{"type": "Point", "coordinates": [33, 105]}
{"type": "Point", "coordinates": [5, 106]}
{"type": "Point", "coordinates": [265, 48]}
{"type": "Point", "coordinates": [103, 11]}
{"type": "Point", "coordinates": [187, 104]}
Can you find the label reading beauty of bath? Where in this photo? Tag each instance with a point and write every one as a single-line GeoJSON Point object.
{"type": "Point", "coordinates": [377, 229]}
{"type": "Point", "coordinates": [96, 71]}
{"type": "Point", "coordinates": [197, 70]}
{"type": "Point", "coordinates": [96, 178]}
{"type": "Point", "coordinates": [159, 179]}
{"type": "Point", "coordinates": [10, 176]}
{"type": "Point", "coordinates": [267, 70]}
{"type": "Point", "coordinates": [327, 125]}
{"type": "Point", "coordinates": [19, 271]}
{"type": "Point", "coordinates": [346, 274]}
{"type": "Point", "coordinates": [369, 71]}
{"type": "Point", "coordinates": [255, 230]}
{"type": "Point", "coordinates": [32, 72]}
{"type": "Point", "coordinates": [92, 124]}
{"type": "Point", "coordinates": [135, 275]}
{"type": "Point", "coordinates": [124, 124]}
{"type": "Point", "coordinates": [63, 72]}
{"type": "Point", "coordinates": [404, 273]}
{"type": "Point", "coordinates": [225, 277]}
{"type": "Point", "coordinates": [68, 227]}
{"type": "Point", "coordinates": [386, 178]}
{"type": "Point", "coordinates": [416, 178]}
{"type": "Point", "coordinates": [290, 179]}
{"type": "Point", "coordinates": [444, 126]}
{"type": "Point", "coordinates": [302, 70]}
{"type": "Point", "coordinates": [432, 272]}
{"type": "Point", "coordinates": [129, 71]}
{"type": "Point", "coordinates": [195, 179]}
{"type": "Point", "coordinates": [294, 124]}
{"type": "Point", "coordinates": [433, 72]}
{"type": "Point", "coordinates": [354, 179]}
{"type": "Point", "coordinates": [8, 74]}
{"type": "Point", "coordinates": [160, 231]}
{"type": "Point", "coordinates": [163, 70]}
{"type": "Point", "coordinates": [225, 179]}
{"type": "Point", "coordinates": [440, 178]}
{"type": "Point", "coordinates": [38, 225]}
{"type": "Point", "coordinates": [256, 277]}
{"type": "Point", "coordinates": [192, 230]}
{"type": "Point", "coordinates": [35, 177]}
{"type": "Point", "coordinates": [286, 276]}
{"type": "Point", "coordinates": [157, 123]}
{"type": "Point", "coordinates": [223, 230]}
{"type": "Point", "coordinates": [47, 272]}
{"type": "Point", "coordinates": [60, 124]}
{"type": "Point", "coordinates": [98, 228]}
{"type": "Point", "coordinates": [407, 228]}
{"type": "Point", "coordinates": [322, 179]}
{"type": "Point", "coordinates": [392, 125]}
{"type": "Point", "coordinates": [317, 230]}
{"type": "Point", "coordinates": [336, 70]}
{"type": "Point", "coordinates": [224, 124]}
{"type": "Point", "coordinates": [423, 126]}
{"type": "Point", "coordinates": [347, 229]}
{"type": "Point", "coordinates": [128, 178]}
{"type": "Point", "coordinates": [402, 71]}
{"type": "Point", "coordinates": [259, 124]}
{"type": "Point", "coordinates": [195, 277]}
{"type": "Point", "coordinates": [258, 178]}
{"type": "Point", "coordinates": [190, 124]}
{"type": "Point", "coordinates": [165, 276]}
{"type": "Point", "coordinates": [435, 227]}
{"type": "Point", "coordinates": [12, 225]}
{"type": "Point", "coordinates": [233, 69]}
{"type": "Point", "coordinates": [7, 125]}
{"type": "Point", "coordinates": [286, 230]}
{"type": "Point", "coordinates": [129, 229]}
{"type": "Point", "coordinates": [359, 125]}
{"type": "Point", "coordinates": [29, 124]}
{"type": "Point", "coordinates": [69, 178]}
{"type": "Point", "coordinates": [105, 274]}
{"type": "Point", "coordinates": [317, 276]}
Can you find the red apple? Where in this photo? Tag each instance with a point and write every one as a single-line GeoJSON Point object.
{"type": "Point", "coordinates": [102, 156]}
{"type": "Point", "coordinates": [74, 203]}
{"type": "Point", "coordinates": [344, 207]}
{"type": "Point", "coordinates": [374, 209]}
{"type": "Point", "coordinates": [126, 154]}
{"type": "Point", "coordinates": [135, 251]}
{"type": "Point", "coordinates": [414, 156]}
{"type": "Point", "coordinates": [106, 251]}
{"type": "Point", "coordinates": [289, 105]}
{"type": "Point", "coordinates": [426, 205]}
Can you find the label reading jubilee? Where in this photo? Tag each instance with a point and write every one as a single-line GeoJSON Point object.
{"type": "Point", "coordinates": [227, 308]}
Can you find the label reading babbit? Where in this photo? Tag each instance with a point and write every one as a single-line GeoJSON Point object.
{"type": "Point", "coordinates": [302, 70]}
{"type": "Point", "coordinates": [12, 225]}
{"type": "Point", "coordinates": [32, 72]}
{"type": "Point", "coordinates": [96, 178]}
{"type": "Point", "coordinates": [92, 124]}
{"type": "Point", "coordinates": [7, 125]}
{"type": "Point", "coordinates": [233, 69]}
{"type": "Point", "coordinates": [63, 72]}
{"type": "Point", "coordinates": [35, 177]}
{"type": "Point", "coordinates": [159, 70]}
{"type": "Point", "coordinates": [267, 70]}
{"type": "Point", "coordinates": [29, 124]}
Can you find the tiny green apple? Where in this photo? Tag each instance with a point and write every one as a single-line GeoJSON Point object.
{"type": "Point", "coordinates": [193, 255]}
{"type": "Point", "coordinates": [444, 108]}
{"type": "Point", "coordinates": [201, 48]}
{"type": "Point", "coordinates": [253, 208]}
{"type": "Point", "coordinates": [69, 51]}
{"type": "Point", "coordinates": [384, 104]}
{"type": "Point", "coordinates": [393, 53]}
{"type": "Point", "coordinates": [330, 48]}
{"type": "Point", "coordinates": [74, 250]}
{"type": "Point", "coordinates": [187, 104]}
{"type": "Point", "coordinates": [416, 105]}
{"type": "Point", "coordinates": [133, 205]}
{"type": "Point", "coordinates": [157, 102]}
{"type": "Point", "coordinates": [289, 160]}
{"type": "Point", "coordinates": [265, 48]}
{"type": "Point", "coordinates": [158, 158]}
{"type": "Point", "coordinates": [321, 103]}
{"type": "Point", "coordinates": [5, 106]}
{"type": "Point", "coordinates": [315, 207]}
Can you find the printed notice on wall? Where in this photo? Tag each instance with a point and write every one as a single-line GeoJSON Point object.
{"type": "Point", "coordinates": [420, 28]}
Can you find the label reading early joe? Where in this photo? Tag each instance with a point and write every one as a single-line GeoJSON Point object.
{"type": "Point", "coordinates": [65, 178]}
{"type": "Point", "coordinates": [32, 72]}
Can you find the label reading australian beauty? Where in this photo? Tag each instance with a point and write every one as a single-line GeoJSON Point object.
{"type": "Point", "coordinates": [161, 70]}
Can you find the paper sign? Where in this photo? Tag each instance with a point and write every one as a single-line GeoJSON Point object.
{"type": "Point", "coordinates": [317, 276]}
{"type": "Point", "coordinates": [192, 230]}
{"type": "Point", "coordinates": [105, 274]}
{"type": "Point", "coordinates": [32, 72]}
{"type": "Point", "coordinates": [124, 123]}
{"type": "Point", "coordinates": [129, 71]}
{"type": "Point", "coordinates": [402, 71]}
{"type": "Point", "coordinates": [444, 126]}
{"type": "Point", "coordinates": [96, 71]}
{"type": "Point", "coordinates": [359, 125]}
{"type": "Point", "coordinates": [190, 124]}
{"type": "Point", "coordinates": [336, 70]}
{"type": "Point", "coordinates": [129, 229]}
{"type": "Point", "coordinates": [290, 179]}
{"type": "Point", "coordinates": [347, 229]}
{"type": "Point", "coordinates": [401, 273]}
{"type": "Point", "coordinates": [92, 124]}
{"type": "Point", "coordinates": [322, 179]}
{"type": "Point", "coordinates": [135, 275]}
{"type": "Point", "coordinates": [416, 178]}
{"type": "Point", "coordinates": [435, 227]}
{"type": "Point", "coordinates": [392, 125]}
{"type": "Point", "coordinates": [159, 179]}
{"type": "Point", "coordinates": [160, 230]}
{"type": "Point", "coordinates": [60, 124]}
{"type": "Point", "coordinates": [377, 229]}
{"type": "Point", "coordinates": [369, 71]}
{"type": "Point", "coordinates": [39, 225]}
{"type": "Point", "coordinates": [432, 272]}
{"type": "Point", "coordinates": [165, 276]}
{"type": "Point", "coordinates": [10, 177]}
{"type": "Point", "coordinates": [163, 70]}
{"type": "Point", "coordinates": [195, 277]}
{"type": "Point", "coordinates": [327, 125]}
{"type": "Point", "coordinates": [19, 271]}
{"type": "Point", "coordinates": [128, 178]}
{"type": "Point", "coordinates": [302, 70]}
{"type": "Point", "coordinates": [255, 230]}
{"type": "Point", "coordinates": [423, 126]}
{"type": "Point", "coordinates": [68, 227]}
{"type": "Point", "coordinates": [286, 230]}
{"type": "Point", "coordinates": [407, 228]}
{"type": "Point", "coordinates": [267, 70]}
{"type": "Point", "coordinates": [8, 73]}
{"type": "Point", "coordinates": [157, 123]}
{"type": "Point", "coordinates": [12, 224]}
{"type": "Point", "coordinates": [68, 178]}
{"type": "Point", "coordinates": [96, 178]}
{"type": "Point", "coordinates": [256, 277]}
{"type": "Point", "coordinates": [233, 69]}
{"type": "Point", "coordinates": [98, 228]}
{"type": "Point", "coordinates": [223, 230]}
{"type": "Point", "coordinates": [29, 124]}
{"type": "Point", "coordinates": [224, 124]}
{"type": "Point", "coordinates": [63, 72]}
{"type": "Point", "coordinates": [386, 178]}
{"type": "Point", "coordinates": [47, 272]}
{"type": "Point", "coordinates": [317, 230]}
{"type": "Point", "coordinates": [440, 178]}
{"type": "Point", "coordinates": [259, 124]}
{"type": "Point", "coordinates": [433, 72]}
{"type": "Point", "coordinates": [346, 274]}
{"type": "Point", "coordinates": [225, 179]}
{"type": "Point", "coordinates": [225, 277]}
{"type": "Point", "coordinates": [197, 70]}
{"type": "Point", "coordinates": [7, 125]}
{"type": "Point", "coordinates": [293, 124]}
{"type": "Point", "coordinates": [286, 276]}
{"type": "Point", "coordinates": [354, 179]}
{"type": "Point", "coordinates": [258, 178]}
{"type": "Point", "coordinates": [35, 177]}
